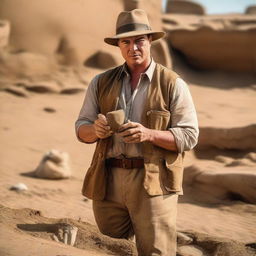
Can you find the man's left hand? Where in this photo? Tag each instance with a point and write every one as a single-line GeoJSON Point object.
{"type": "Point", "coordinates": [133, 132]}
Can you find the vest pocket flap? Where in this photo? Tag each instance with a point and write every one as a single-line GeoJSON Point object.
{"type": "Point", "coordinates": [94, 185]}
{"type": "Point", "coordinates": [158, 119]}
{"type": "Point", "coordinates": [174, 159]}
{"type": "Point", "coordinates": [173, 172]}
{"type": "Point", "coordinates": [151, 166]}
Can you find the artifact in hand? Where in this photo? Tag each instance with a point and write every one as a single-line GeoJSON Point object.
{"type": "Point", "coordinates": [115, 119]}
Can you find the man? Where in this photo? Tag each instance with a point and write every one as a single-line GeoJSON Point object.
{"type": "Point", "coordinates": [136, 173]}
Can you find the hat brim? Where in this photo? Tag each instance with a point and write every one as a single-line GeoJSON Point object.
{"type": "Point", "coordinates": [114, 40]}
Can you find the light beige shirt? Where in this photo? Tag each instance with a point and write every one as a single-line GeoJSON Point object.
{"type": "Point", "coordinates": [184, 124]}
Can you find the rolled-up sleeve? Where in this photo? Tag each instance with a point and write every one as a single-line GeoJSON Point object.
{"type": "Point", "coordinates": [184, 123]}
{"type": "Point", "coordinates": [90, 110]}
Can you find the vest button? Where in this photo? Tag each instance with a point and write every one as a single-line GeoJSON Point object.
{"type": "Point", "coordinates": [100, 155]}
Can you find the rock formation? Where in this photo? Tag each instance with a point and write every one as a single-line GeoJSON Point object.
{"type": "Point", "coordinates": [76, 34]}
{"type": "Point", "coordinates": [217, 42]}
{"type": "Point", "coordinates": [240, 138]}
{"type": "Point", "coordinates": [22, 71]}
{"type": "Point", "coordinates": [251, 9]}
{"type": "Point", "coordinates": [248, 160]}
{"type": "Point", "coordinates": [102, 59]}
{"type": "Point", "coordinates": [203, 244]}
{"type": "Point", "coordinates": [26, 64]}
{"type": "Point", "coordinates": [160, 52]}
{"type": "Point", "coordinates": [184, 7]}
{"type": "Point", "coordinates": [222, 183]}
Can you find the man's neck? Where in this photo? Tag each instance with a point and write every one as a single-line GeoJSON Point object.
{"type": "Point", "coordinates": [136, 72]}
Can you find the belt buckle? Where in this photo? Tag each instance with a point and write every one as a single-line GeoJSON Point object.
{"type": "Point", "coordinates": [123, 162]}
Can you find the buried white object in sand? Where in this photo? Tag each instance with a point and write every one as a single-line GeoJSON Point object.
{"type": "Point", "coordinates": [19, 187]}
{"type": "Point", "coordinates": [54, 165]}
{"type": "Point", "coordinates": [66, 234]}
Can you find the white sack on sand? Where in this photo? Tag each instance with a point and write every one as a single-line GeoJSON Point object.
{"type": "Point", "coordinates": [54, 165]}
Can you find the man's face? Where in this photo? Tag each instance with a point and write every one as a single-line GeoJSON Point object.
{"type": "Point", "coordinates": [135, 50]}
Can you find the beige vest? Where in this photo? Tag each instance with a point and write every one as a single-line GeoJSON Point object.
{"type": "Point", "coordinates": [163, 169]}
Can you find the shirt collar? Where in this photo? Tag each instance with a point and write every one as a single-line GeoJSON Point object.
{"type": "Point", "coordinates": [149, 72]}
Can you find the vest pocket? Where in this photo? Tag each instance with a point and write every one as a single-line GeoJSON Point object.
{"type": "Point", "coordinates": [94, 185]}
{"type": "Point", "coordinates": [172, 172]}
{"type": "Point", "coordinates": [158, 119]}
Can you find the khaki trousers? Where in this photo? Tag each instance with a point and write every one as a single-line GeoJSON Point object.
{"type": "Point", "coordinates": [129, 210]}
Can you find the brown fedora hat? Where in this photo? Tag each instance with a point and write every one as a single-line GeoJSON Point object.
{"type": "Point", "coordinates": [133, 23]}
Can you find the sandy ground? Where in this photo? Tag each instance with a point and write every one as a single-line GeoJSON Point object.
{"type": "Point", "coordinates": [27, 131]}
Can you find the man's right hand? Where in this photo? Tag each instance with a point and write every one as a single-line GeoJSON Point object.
{"type": "Point", "coordinates": [101, 127]}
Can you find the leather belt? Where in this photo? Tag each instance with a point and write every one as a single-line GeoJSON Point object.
{"type": "Point", "coordinates": [126, 163]}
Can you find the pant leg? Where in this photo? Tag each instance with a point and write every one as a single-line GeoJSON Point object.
{"type": "Point", "coordinates": [154, 224]}
{"type": "Point", "coordinates": [153, 218]}
{"type": "Point", "coordinates": [111, 214]}
{"type": "Point", "coordinates": [112, 219]}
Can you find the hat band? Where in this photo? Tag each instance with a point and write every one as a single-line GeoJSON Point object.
{"type": "Point", "coordinates": [132, 27]}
